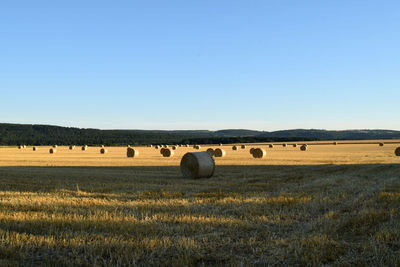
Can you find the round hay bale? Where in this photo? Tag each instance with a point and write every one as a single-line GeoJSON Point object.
{"type": "Point", "coordinates": [243, 146]}
{"type": "Point", "coordinates": [196, 147]}
{"type": "Point", "coordinates": [20, 147]}
{"type": "Point", "coordinates": [165, 146]}
{"type": "Point", "coordinates": [397, 152]}
{"type": "Point", "coordinates": [162, 150]}
{"type": "Point", "coordinates": [174, 147]}
{"type": "Point", "coordinates": [186, 145]}
{"type": "Point", "coordinates": [251, 150]}
{"type": "Point", "coordinates": [102, 146]}
{"type": "Point", "coordinates": [294, 145]}
{"type": "Point", "coordinates": [52, 150]}
{"type": "Point", "coordinates": [271, 146]}
{"type": "Point", "coordinates": [55, 146]}
{"type": "Point", "coordinates": [335, 143]}
{"type": "Point", "coordinates": [259, 153]}
{"type": "Point", "coordinates": [197, 165]}
{"type": "Point", "coordinates": [71, 147]}
{"type": "Point", "coordinates": [211, 151]}
{"type": "Point", "coordinates": [24, 146]}
{"type": "Point", "coordinates": [303, 147]}
{"type": "Point", "coordinates": [103, 150]}
{"type": "Point", "coordinates": [131, 152]}
{"type": "Point", "coordinates": [84, 148]}
{"type": "Point", "coordinates": [167, 153]}
{"type": "Point", "coordinates": [234, 148]}
{"type": "Point", "coordinates": [381, 144]}
{"type": "Point", "coordinates": [34, 148]}
{"type": "Point", "coordinates": [220, 144]}
{"type": "Point", "coordinates": [284, 145]}
{"type": "Point", "coordinates": [156, 147]}
{"type": "Point", "coordinates": [219, 153]}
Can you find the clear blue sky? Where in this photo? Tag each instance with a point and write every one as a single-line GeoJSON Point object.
{"type": "Point", "coordinates": [205, 64]}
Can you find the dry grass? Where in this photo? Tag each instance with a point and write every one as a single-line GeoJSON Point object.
{"type": "Point", "coordinates": [343, 212]}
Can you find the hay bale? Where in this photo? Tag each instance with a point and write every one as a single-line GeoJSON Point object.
{"type": "Point", "coordinates": [259, 153]}
{"type": "Point", "coordinates": [219, 153]}
{"type": "Point", "coordinates": [284, 145]}
{"type": "Point", "coordinates": [34, 148]}
{"type": "Point", "coordinates": [52, 150]}
{"type": "Point", "coordinates": [335, 143]}
{"type": "Point", "coordinates": [243, 146]}
{"type": "Point", "coordinates": [381, 144]}
{"type": "Point", "coordinates": [220, 144]}
{"type": "Point", "coordinates": [251, 150]}
{"type": "Point", "coordinates": [186, 145]}
{"type": "Point", "coordinates": [103, 150]}
{"type": "Point", "coordinates": [102, 146]}
{"type": "Point", "coordinates": [24, 146]}
{"type": "Point", "coordinates": [167, 153]}
{"type": "Point", "coordinates": [20, 147]}
{"type": "Point", "coordinates": [174, 147]}
{"type": "Point", "coordinates": [234, 148]}
{"type": "Point", "coordinates": [271, 146]}
{"type": "Point", "coordinates": [156, 147]}
{"type": "Point", "coordinates": [294, 145]}
{"type": "Point", "coordinates": [304, 147]}
{"type": "Point", "coordinates": [211, 151]}
{"type": "Point", "coordinates": [397, 152]}
{"type": "Point", "coordinates": [55, 146]}
{"type": "Point", "coordinates": [71, 147]}
{"type": "Point", "coordinates": [196, 147]}
{"type": "Point", "coordinates": [165, 146]}
{"type": "Point", "coordinates": [197, 165]}
{"type": "Point", "coordinates": [84, 148]}
{"type": "Point", "coordinates": [162, 150]}
{"type": "Point", "coordinates": [131, 152]}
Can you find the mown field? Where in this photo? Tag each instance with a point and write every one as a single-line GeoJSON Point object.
{"type": "Point", "coordinates": [330, 205]}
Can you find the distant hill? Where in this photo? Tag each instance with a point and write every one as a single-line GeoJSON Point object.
{"type": "Point", "coordinates": [14, 134]}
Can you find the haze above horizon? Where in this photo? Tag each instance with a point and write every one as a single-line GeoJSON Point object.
{"type": "Point", "coordinates": [178, 65]}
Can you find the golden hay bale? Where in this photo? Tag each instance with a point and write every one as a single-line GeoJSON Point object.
{"type": "Point", "coordinates": [219, 153]}
{"type": "Point", "coordinates": [131, 152]}
{"type": "Point", "coordinates": [102, 146]}
{"type": "Point", "coordinates": [34, 148]}
{"type": "Point", "coordinates": [186, 145]}
{"type": "Point", "coordinates": [294, 145]}
{"type": "Point", "coordinates": [251, 150]}
{"type": "Point", "coordinates": [335, 143]}
{"type": "Point", "coordinates": [304, 147]}
{"type": "Point", "coordinates": [156, 147]}
{"type": "Point", "coordinates": [103, 150]}
{"type": "Point", "coordinates": [271, 146]}
{"type": "Point", "coordinates": [211, 151]}
{"type": "Point", "coordinates": [243, 146]}
{"type": "Point", "coordinates": [167, 153]}
{"type": "Point", "coordinates": [24, 146]}
{"type": "Point", "coordinates": [20, 147]}
{"type": "Point", "coordinates": [220, 144]}
{"type": "Point", "coordinates": [165, 146]}
{"type": "Point", "coordinates": [55, 146]}
{"type": "Point", "coordinates": [84, 148]}
{"type": "Point", "coordinates": [284, 145]}
{"type": "Point", "coordinates": [397, 152]}
{"type": "Point", "coordinates": [52, 150]}
{"type": "Point", "coordinates": [174, 147]}
{"type": "Point", "coordinates": [259, 153]}
{"type": "Point", "coordinates": [197, 165]}
{"type": "Point", "coordinates": [381, 144]}
{"type": "Point", "coordinates": [196, 147]}
{"type": "Point", "coordinates": [71, 147]}
{"type": "Point", "coordinates": [234, 148]}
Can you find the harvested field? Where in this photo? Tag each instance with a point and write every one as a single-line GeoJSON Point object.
{"type": "Point", "coordinates": [335, 205]}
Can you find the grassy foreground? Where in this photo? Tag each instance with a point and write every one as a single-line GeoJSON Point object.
{"type": "Point", "coordinates": [244, 215]}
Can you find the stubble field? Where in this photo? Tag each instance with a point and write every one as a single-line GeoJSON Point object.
{"type": "Point", "coordinates": [332, 204]}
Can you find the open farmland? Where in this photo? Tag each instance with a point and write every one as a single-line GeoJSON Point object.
{"type": "Point", "coordinates": [332, 204]}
